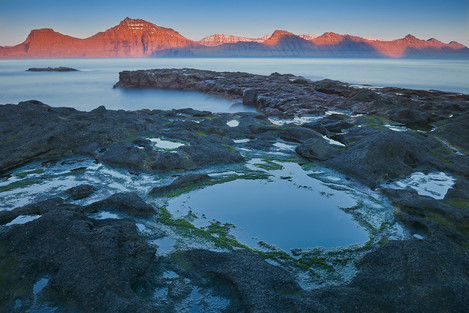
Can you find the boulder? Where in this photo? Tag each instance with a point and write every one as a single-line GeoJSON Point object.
{"type": "Point", "coordinates": [261, 287]}
{"type": "Point", "coordinates": [81, 191]}
{"type": "Point", "coordinates": [125, 202]}
{"type": "Point", "coordinates": [123, 154]}
{"type": "Point", "coordinates": [316, 149]}
{"type": "Point", "coordinates": [180, 182]}
{"type": "Point", "coordinates": [380, 153]}
{"type": "Point", "coordinates": [250, 97]}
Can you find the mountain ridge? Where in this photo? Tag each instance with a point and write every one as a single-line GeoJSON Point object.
{"type": "Point", "coordinates": [139, 38]}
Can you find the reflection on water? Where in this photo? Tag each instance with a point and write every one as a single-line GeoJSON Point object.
{"type": "Point", "coordinates": [294, 208]}
{"type": "Point", "coordinates": [92, 85]}
{"type": "Point", "coordinates": [291, 210]}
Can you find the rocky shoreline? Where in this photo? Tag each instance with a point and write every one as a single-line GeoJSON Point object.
{"type": "Point", "coordinates": [374, 136]}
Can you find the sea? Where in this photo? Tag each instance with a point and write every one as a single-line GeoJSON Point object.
{"type": "Point", "coordinates": [92, 85]}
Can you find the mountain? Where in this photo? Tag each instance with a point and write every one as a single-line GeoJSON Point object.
{"type": "Point", "coordinates": [139, 38]}
{"type": "Point", "coordinates": [131, 38]}
{"type": "Point", "coordinates": [282, 44]}
{"type": "Point", "coordinates": [219, 39]}
{"type": "Point", "coordinates": [308, 36]}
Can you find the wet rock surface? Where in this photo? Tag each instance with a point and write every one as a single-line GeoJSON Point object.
{"type": "Point", "coordinates": [126, 202]}
{"type": "Point", "coordinates": [375, 154]}
{"type": "Point", "coordinates": [261, 286]}
{"type": "Point", "coordinates": [404, 276]}
{"type": "Point", "coordinates": [90, 263]}
{"type": "Point", "coordinates": [381, 135]}
{"type": "Point", "coordinates": [316, 149]}
{"type": "Point", "coordinates": [180, 182]}
{"type": "Point", "coordinates": [80, 192]}
{"type": "Point", "coordinates": [289, 95]}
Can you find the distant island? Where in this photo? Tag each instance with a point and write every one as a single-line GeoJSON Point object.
{"type": "Point", "coordinates": [139, 38]}
{"type": "Point", "coordinates": [51, 69]}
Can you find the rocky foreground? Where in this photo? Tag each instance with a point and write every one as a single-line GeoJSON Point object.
{"type": "Point", "coordinates": [101, 265]}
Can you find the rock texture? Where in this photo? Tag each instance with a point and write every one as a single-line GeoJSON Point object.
{"type": "Point", "coordinates": [90, 263]}
{"type": "Point", "coordinates": [289, 95]}
{"type": "Point", "coordinates": [101, 265]}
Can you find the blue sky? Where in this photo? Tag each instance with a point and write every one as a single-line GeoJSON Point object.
{"type": "Point", "coordinates": [445, 20]}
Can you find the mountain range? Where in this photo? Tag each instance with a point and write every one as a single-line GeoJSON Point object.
{"type": "Point", "coordinates": [139, 38]}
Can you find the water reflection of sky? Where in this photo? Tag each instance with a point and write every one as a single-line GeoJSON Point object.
{"type": "Point", "coordinates": [294, 212]}
{"type": "Point", "coordinates": [294, 208]}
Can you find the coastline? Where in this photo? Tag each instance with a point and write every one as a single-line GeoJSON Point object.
{"type": "Point", "coordinates": [431, 137]}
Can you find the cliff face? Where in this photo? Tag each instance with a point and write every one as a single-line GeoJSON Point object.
{"type": "Point", "coordinates": [138, 38]}
{"type": "Point", "coordinates": [131, 38]}
{"type": "Point", "coordinates": [219, 39]}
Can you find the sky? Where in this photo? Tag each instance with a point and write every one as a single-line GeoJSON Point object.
{"type": "Point", "coordinates": [445, 20]}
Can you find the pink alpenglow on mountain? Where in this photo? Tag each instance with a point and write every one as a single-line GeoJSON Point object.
{"type": "Point", "coordinates": [139, 38]}
{"type": "Point", "coordinates": [131, 38]}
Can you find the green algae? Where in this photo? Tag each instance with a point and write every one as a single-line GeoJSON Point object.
{"type": "Point", "coordinates": [184, 227]}
{"type": "Point", "coordinates": [20, 184]}
{"type": "Point", "coordinates": [24, 174]}
{"type": "Point", "coordinates": [443, 153]}
{"type": "Point", "coordinates": [214, 181]}
{"type": "Point", "coordinates": [218, 233]}
{"type": "Point", "coordinates": [13, 137]}
{"type": "Point", "coordinates": [459, 203]}
{"type": "Point", "coordinates": [269, 165]}
{"type": "Point", "coordinates": [132, 135]}
{"type": "Point", "coordinates": [230, 148]}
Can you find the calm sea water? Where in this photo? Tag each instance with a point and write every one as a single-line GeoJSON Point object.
{"type": "Point", "coordinates": [92, 85]}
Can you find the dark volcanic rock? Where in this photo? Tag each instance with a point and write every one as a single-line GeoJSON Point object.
{"type": "Point", "coordinates": [118, 138]}
{"type": "Point", "coordinates": [379, 154]}
{"type": "Point", "coordinates": [410, 200]}
{"type": "Point", "coordinates": [208, 154]}
{"type": "Point", "coordinates": [337, 127]}
{"type": "Point", "coordinates": [35, 209]}
{"type": "Point", "coordinates": [459, 193]}
{"type": "Point", "coordinates": [181, 181]}
{"type": "Point", "coordinates": [297, 134]}
{"type": "Point", "coordinates": [124, 155]}
{"type": "Point", "coordinates": [289, 95]}
{"type": "Point", "coordinates": [411, 117]}
{"type": "Point", "coordinates": [316, 149]}
{"type": "Point", "coordinates": [32, 129]}
{"type": "Point", "coordinates": [126, 202]}
{"type": "Point", "coordinates": [261, 286]}
{"type": "Point", "coordinates": [91, 264]}
{"type": "Point", "coordinates": [51, 69]}
{"type": "Point", "coordinates": [456, 131]}
{"type": "Point", "coordinates": [81, 191]}
{"type": "Point", "coordinates": [250, 97]}
{"type": "Point", "coordinates": [404, 276]}
{"type": "Point", "coordinates": [168, 161]}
